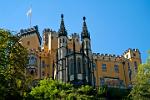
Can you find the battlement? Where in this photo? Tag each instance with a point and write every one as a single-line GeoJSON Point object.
{"type": "Point", "coordinates": [131, 50]}
{"type": "Point", "coordinates": [29, 32]}
{"type": "Point", "coordinates": [48, 30]}
{"type": "Point", "coordinates": [108, 57]}
{"type": "Point", "coordinates": [75, 35]}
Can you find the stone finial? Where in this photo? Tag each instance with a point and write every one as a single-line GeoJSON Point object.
{"type": "Point", "coordinates": [84, 18]}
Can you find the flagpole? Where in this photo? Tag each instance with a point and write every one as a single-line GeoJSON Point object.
{"type": "Point", "coordinates": [29, 14]}
{"type": "Point", "coordinates": [30, 20]}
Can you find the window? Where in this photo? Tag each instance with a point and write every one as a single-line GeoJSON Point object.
{"type": "Point", "coordinates": [63, 40]}
{"type": "Point", "coordinates": [135, 65]}
{"type": "Point", "coordinates": [60, 40]}
{"type": "Point", "coordinates": [28, 43]}
{"type": "Point", "coordinates": [104, 67]}
{"type": "Point", "coordinates": [86, 43]}
{"type": "Point", "coordinates": [79, 65]}
{"type": "Point", "coordinates": [52, 37]}
{"type": "Point", "coordinates": [43, 63]}
{"type": "Point", "coordinates": [71, 67]}
{"type": "Point", "coordinates": [32, 72]}
{"type": "Point", "coordinates": [134, 54]}
{"type": "Point", "coordinates": [43, 73]}
{"type": "Point", "coordinates": [128, 65]}
{"type": "Point", "coordinates": [127, 56]}
{"type": "Point", "coordinates": [116, 68]}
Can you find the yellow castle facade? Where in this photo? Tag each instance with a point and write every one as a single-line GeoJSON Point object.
{"type": "Point", "coordinates": [70, 58]}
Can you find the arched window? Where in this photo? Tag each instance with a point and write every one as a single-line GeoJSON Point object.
{"type": "Point", "coordinates": [71, 67]}
{"type": "Point", "coordinates": [79, 65]}
{"type": "Point", "coordinates": [116, 68]}
{"type": "Point", "coordinates": [43, 63]}
{"type": "Point", "coordinates": [87, 45]}
{"type": "Point", "coordinates": [60, 40]}
{"type": "Point", "coordinates": [32, 60]}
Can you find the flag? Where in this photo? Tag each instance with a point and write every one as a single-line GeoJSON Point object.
{"type": "Point", "coordinates": [29, 13]}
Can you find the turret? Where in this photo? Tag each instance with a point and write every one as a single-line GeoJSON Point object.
{"type": "Point", "coordinates": [85, 37]}
{"type": "Point", "coordinates": [62, 51]}
{"type": "Point", "coordinates": [134, 60]}
{"type": "Point", "coordinates": [62, 31]}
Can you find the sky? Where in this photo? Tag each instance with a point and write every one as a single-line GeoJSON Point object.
{"type": "Point", "coordinates": [114, 25]}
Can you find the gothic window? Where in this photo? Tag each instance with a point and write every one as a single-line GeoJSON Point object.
{"type": "Point", "coordinates": [46, 38]}
{"type": "Point", "coordinates": [135, 65]}
{"type": "Point", "coordinates": [87, 44]}
{"type": "Point", "coordinates": [79, 65]}
{"type": "Point", "coordinates": [116, 68]}
{"type": "Point", "coordinates": [128, 65]}
{"type": "Point", "coordinates": [60, 40]}
{"type": "Point", "coordinates": [43, 63]}
{"type": "Point", "coordinates": [32, 60]}
{"type": "Point", "coordinates": [63, 40]}
{"type": "Point", "coordinates": [71, 67]}
{"type": "Point", "coordinates": [104, 67]}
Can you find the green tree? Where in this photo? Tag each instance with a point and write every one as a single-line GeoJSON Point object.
{"type": "Point", "coordinates": [141, 88]}
{"type": "Point", "coordinates": [13, 61]}
{"type": "Point", "coordinates": [53, 90]}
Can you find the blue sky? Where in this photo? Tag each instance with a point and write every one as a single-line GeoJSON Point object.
{"type": "Point", "coordinates": [114, 25]}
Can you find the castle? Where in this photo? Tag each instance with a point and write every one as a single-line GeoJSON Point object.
{"type": "Point", "coordinates": [68, 59]}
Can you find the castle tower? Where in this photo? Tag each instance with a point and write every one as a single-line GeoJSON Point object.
{"type": "Point", "coordinates": [49, 40]}
{"type": "Point", "coordinates": [30, 38]}
{"type": "Point", "coordinates": [62, 52]}
{"type": "Point", "coordinates": [134, 59]}
{"type": "Point", "coordinates": [86, 41]}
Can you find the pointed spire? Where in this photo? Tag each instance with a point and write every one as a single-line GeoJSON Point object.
{"type": "Point", "coordinates": [62, 31]}
{"type": "Point", "coordinates": [85, 33]}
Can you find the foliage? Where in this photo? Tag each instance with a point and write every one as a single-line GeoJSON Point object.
{"type": "Point", "coordinates": [53, 90]}
{"type": "Point", "coordinates": [13, 60]}
{"type": "Point", "coordinates": [141, 88]}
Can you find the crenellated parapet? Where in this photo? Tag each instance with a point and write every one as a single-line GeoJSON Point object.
{"type": "Point", "coordinates": [131, 50]}
{"type": "Point", "coordinates": [30, 31]}
{"type": "Point", "coordinates": [107, 57]}
{"type": "Point", "coordinates": [48, 30]}
{"type": "Point", "coordinates": [132, 53]}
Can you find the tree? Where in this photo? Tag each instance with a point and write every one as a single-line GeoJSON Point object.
{"type": "Point", "coordinates": [13, 61]}
{"type": "Point", "coordinates": [141, 88]}
{"type": "Point", "coordinates": [53, 90]}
